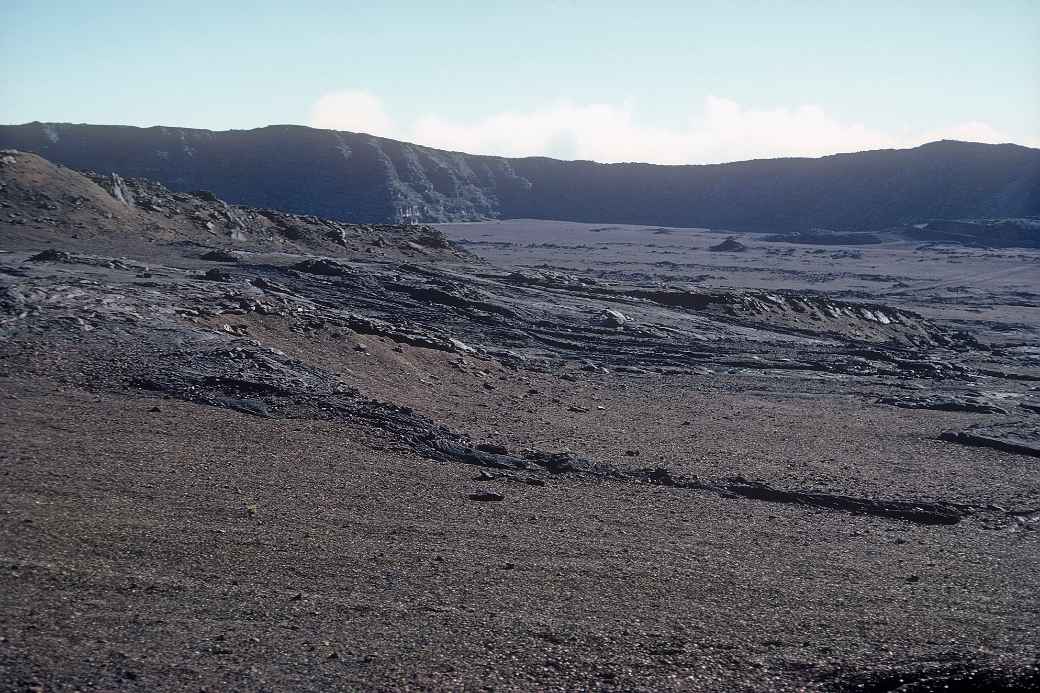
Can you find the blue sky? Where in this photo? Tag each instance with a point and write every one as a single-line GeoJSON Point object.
{"type": "Point", "coordinates": [654, 81]}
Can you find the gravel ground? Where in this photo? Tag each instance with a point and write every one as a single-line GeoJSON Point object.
{"type": "Point", "coordinates": [191, 549]}
{"type": "Point", "coordinates": [262, 473]}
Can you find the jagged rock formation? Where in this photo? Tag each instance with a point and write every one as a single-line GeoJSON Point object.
{"type": "Point", "coordinates": [361, 178]}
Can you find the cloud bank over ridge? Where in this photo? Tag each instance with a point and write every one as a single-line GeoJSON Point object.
{"type": "Point", "coordinates": [722, 131]}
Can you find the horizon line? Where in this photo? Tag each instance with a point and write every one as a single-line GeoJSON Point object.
{"type": "Point", "coordinates": [515, 158]}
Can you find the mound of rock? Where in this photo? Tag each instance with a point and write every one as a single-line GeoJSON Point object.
{"type": "Point", "coordinates": [730, 245]}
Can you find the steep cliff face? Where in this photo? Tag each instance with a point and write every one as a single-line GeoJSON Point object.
{"type": "Point", "coordinates": [362, 178]}
{"type": "Point", "coordinates": [861, 191]}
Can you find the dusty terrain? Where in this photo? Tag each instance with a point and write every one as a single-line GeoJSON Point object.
{"type": "Point", "coordinates": [244, 450]}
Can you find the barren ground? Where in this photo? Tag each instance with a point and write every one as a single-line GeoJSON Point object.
{"type": "Point", "coordinates": [757, 471]}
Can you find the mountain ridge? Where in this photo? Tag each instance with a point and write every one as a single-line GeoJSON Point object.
{"type": "Point", "coordinates": [289, 126]}
{"type": "Point", "coordinates": [364, 178]}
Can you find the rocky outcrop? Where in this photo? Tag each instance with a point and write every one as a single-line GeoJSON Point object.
{"type": "Point", "coordinates": [1021, 437]}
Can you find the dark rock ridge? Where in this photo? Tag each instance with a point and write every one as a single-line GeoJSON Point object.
{"type": "Point", "coordinates": [993, 233]}
{"type": "Point", "coordinates": [1022, 437]}
{"type": "Point", "coordinates": [978, 233]}
{"type": "Point", "coordinates": [361, 178]}
{"type": "Point", "coordinates": [969, 402]}
{"type": "Point", "coordinates": [825, 237]}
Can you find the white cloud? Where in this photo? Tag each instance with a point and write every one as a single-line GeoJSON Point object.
{"type": "Point", "coordinates": [974, 131]}
{"type": "Point", "coordinates": [723, 131]}
{"type": "Point", "coordinates": [353, 110]}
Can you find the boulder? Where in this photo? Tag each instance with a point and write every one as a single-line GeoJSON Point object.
{"type": "Point", "coordinates": [613, 318]}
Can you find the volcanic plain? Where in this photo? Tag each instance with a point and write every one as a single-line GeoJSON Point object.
{"type": "Point", "coordinates": [244, 449]}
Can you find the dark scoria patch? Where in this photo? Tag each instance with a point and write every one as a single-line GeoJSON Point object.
{"type": "Point", "coordinates": [968, 673]}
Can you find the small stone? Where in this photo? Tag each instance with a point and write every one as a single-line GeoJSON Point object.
{"type": "Point", "coordinates": [155, 410]}
{"type": "Point", "coordinates": [219, 256]}
{"type": "Point", "coordinates": [51, 255]}
{"type": "Point", "coordinates": [216, 275]}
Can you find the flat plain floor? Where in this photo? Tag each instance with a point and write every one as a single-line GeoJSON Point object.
{"type": "Point", "coordinates": [149, 543]}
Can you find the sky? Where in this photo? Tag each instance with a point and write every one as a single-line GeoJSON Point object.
{"type": "Point", "coordinates": [662, 82]}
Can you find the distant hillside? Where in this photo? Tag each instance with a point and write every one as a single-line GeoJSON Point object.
{"type": "Point", "coordinates": [44, 203]}
{"type": "Point", "coordinates": [362, 178]}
